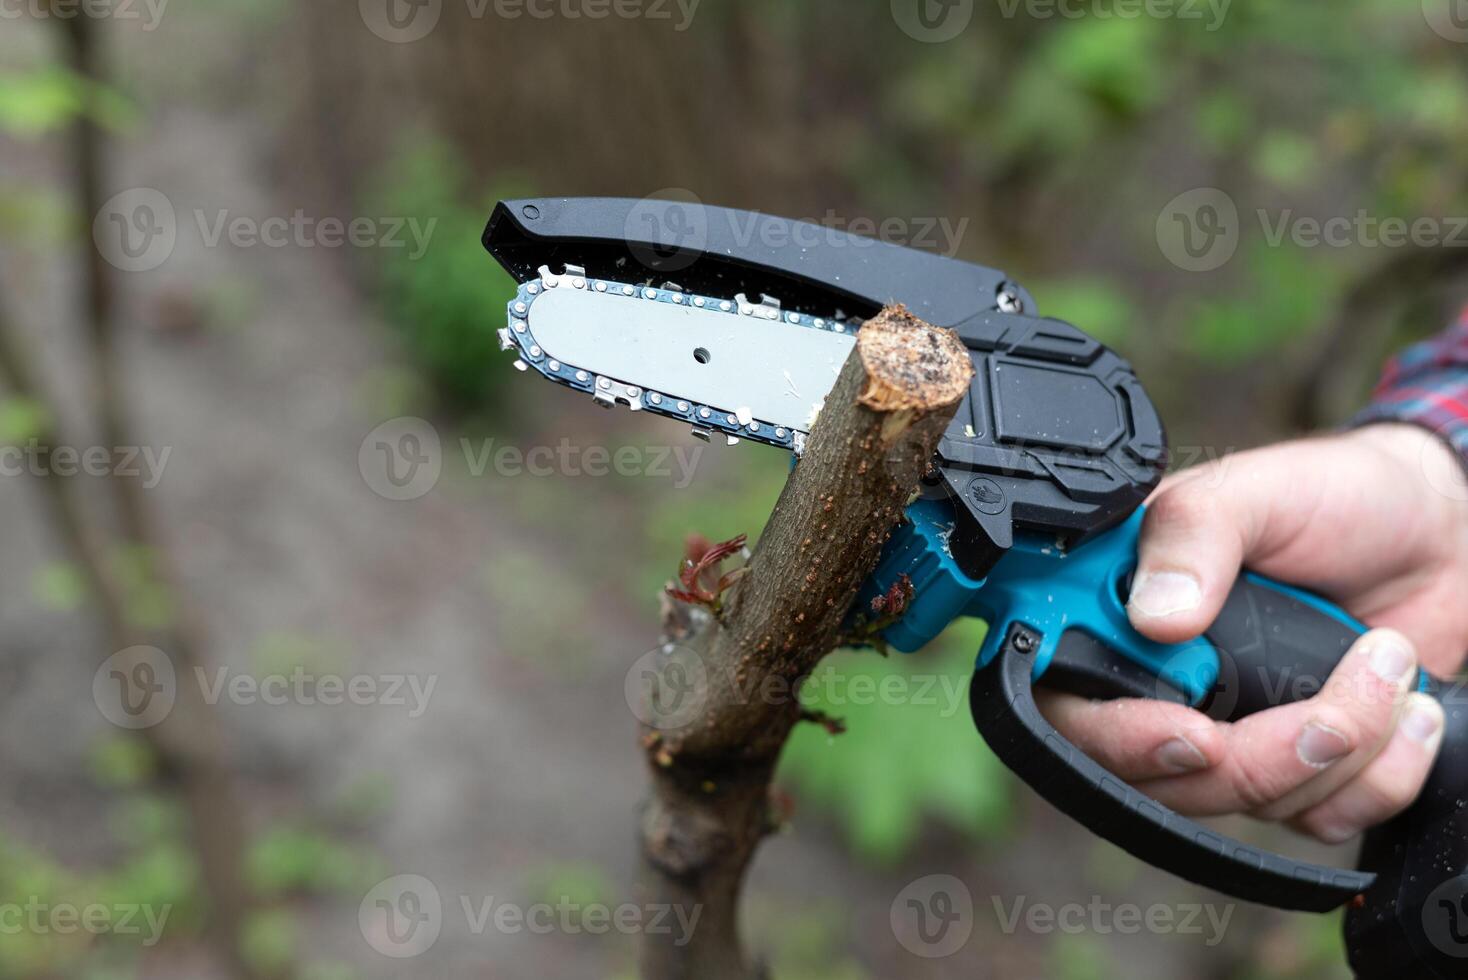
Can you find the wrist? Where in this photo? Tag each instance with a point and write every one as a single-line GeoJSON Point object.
{"type": "Point", "coordinates": [1426, 459]}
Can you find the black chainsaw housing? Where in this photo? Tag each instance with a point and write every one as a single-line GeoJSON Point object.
{"type": "Point", "coordinates": [1057, 435]}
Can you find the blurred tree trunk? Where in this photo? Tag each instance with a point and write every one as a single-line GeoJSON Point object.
{"type": "Point", "coordinates": [189, 744]}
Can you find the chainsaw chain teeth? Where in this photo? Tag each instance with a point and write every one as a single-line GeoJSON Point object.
{"type": "Point", "coordinates": [706, 420]}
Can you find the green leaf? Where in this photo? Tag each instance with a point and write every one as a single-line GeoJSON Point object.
{"type": "Point", "coordinates": [122, 760]}
{"type": "Point", "coordinates": [60, 586]}
{"type": "Point", "coordinates": [572, 882]}
{"type": "Point", "coordinates": [37, 102]}
{"type": "Point", "coordinates": [1285, 158]}
{"type": "Point", "coordinates": [1097, 306]}
{"type": "Point", "coordinates": [1222, 120]}
{"type": "Point", "coordinates": [21, 420]}
{"type": "Point", "coordinates": [269, 940]}
{"type": "Point", "coordinates": [291, 859]}
{"type": "Point", "coordinates": [448, 302]}
{"type": "Point", "coordinates": [1286, 296]}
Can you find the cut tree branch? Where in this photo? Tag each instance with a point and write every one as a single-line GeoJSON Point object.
{"type": "Point", "coordinates": [732, 680]}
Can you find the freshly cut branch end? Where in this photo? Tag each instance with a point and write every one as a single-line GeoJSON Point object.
{"type": "Point", "coordinates": [911, 365]}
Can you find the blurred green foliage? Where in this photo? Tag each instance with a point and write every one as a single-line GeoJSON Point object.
{"type": "Point", "coordinates": [448, 303]}
{"type": "Point", "coordinates": [1066, 136]}
{"type": "Point", "coordinates": [153, 875]}
{"type": "Point", "coordinates": [60, 586]}
{"type": "Point", "coordinates": [21, 420]}
{"type": "Point", "coordinates": [39, 101]}
{"type": "Point", "coordinates": [909, 751]}
{"type": "Point", "coordinates": [808, 941]}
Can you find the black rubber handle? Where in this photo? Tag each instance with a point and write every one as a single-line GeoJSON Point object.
{"type": "Point", "coordinates": [1003, 706]}
{"type": "Point", "coordinates": [1408, 903]}
{"type": "Point", "coordinates": [1275, 646]}
{"type": "Point", "coordinates": [1413, 922]}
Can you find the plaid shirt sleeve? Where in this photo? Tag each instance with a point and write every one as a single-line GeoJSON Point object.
{"type": "Point", "coordinates": [1427, 385]}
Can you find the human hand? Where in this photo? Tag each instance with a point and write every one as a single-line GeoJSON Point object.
{"type": "Point", "coordinates": [1359, 518]}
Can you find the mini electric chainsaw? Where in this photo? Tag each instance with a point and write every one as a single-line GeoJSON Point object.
{"type": "Point", "coordinates": [737, 323]}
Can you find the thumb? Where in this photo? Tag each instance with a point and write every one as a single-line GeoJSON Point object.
{"type": "Point", "coordinates": [1198, 529]}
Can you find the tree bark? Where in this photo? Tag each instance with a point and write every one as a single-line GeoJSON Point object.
{"type": "Point", "coordinates": [738, 670]}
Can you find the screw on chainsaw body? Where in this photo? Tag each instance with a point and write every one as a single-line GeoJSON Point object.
{"type": "Point", "coordinates": [1008, 301]}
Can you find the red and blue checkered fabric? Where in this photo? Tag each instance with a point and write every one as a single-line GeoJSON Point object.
{"type": "Point", "coordinates": [1427, 385]}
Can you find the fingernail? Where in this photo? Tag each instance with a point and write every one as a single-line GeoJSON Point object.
{"type": "Point", "coordinates": [1392, 659]}
{"type": "Point", "coordinates": [1424, 720]}
{"type": "Point", "coordinates": [1320, 745]}
{"type": "Point", "coordinates": [1179, 755]}
{"type": "Point", "coordinates": [1161, 594]}
{"type": "Point", "coordinates": [1336, 835]}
